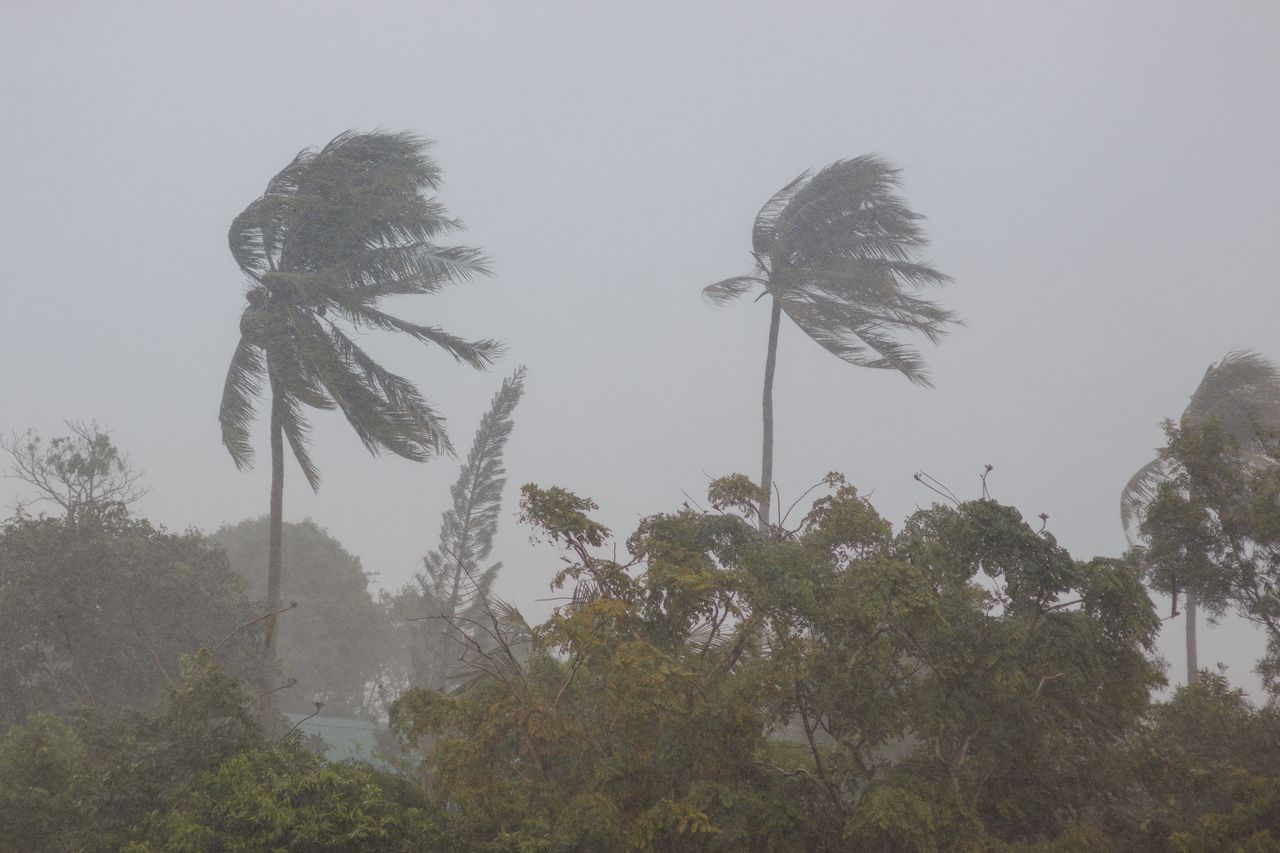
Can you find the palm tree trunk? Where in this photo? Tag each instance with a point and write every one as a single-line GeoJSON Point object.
{"type": "Point", "coordinates": [1193, 667]}
{"type": "Point", "coordinates": [270, 652]}
{"type": "Point", "coordinates": [766, 455]}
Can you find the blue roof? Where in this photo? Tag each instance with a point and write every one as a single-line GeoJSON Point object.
{"type": "Point", "coordinates": [345, 739]}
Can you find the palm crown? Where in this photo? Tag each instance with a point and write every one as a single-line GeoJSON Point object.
{"type": "Point", "coordinates": [838, 249]}
{"type": "Point", "coordinates": [1241, 394]}
{"type": "Point", "coordinates": [337, 231]}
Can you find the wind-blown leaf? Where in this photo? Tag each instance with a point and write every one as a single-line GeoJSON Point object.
{"type": "Point", "coordinates": [724, 292]}
{"type": "Point", "coordinates": [763, 233]}
{"type": "Point", "coordinates": [1138, 494]}
{"type": "Point", "coordinates": [297, 432]}
{"type": "Point", "coordinates": [242, 387]}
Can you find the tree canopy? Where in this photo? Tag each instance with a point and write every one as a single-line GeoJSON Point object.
{"type": "Point", "coordinates": [336, 642]}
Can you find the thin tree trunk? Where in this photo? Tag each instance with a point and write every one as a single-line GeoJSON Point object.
{"type": "Point", "coordinates": [270, 653]}
{"type": "Point", "coordinates": [1193, 668]}
{"type": "Point", "coordinates": [766, 456]}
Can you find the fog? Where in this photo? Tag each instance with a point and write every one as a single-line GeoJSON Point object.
{"type": "Point", "coordinates": [1099, 179]}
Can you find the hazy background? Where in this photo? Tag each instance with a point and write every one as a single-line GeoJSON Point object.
{"type": "Point", "coordinates": [1100, 179]}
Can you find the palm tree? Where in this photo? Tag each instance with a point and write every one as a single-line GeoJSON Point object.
{"type": "Point", "coordinates": [1241, 393]}
{"type": "Point", "coordinates": [837, 253]}
{"type": "Point", "coordinates": [337, 231]}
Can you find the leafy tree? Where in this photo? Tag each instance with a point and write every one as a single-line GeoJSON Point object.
{"type": "Point", "coordinates": [194, 774]}
{"type": "Point", "coordinates": [100, 614]}
{"type": "Point", "coordinates": [85, 783]}
{"type": "Point", "coordinates": [1213, 528]}
{"type": "Point", "coordinates": [83, 474]}
{"type": "Point", "coordinates": [337, 642]}
{"type": "Point", "coordinates": [287, 799]}
{"type": "Point", "coordinates": [963, 681]}
{"type": "Point", "coordinates": [1241, 394]}
{"type": "Point", "coordinates": [337, 231]}
{"type": "Point", "coordinates": [450, 593]}
{"type": "Point", "coordinates": [837, 252]}
{"type": "Point", "coordinates": [1197, 752]}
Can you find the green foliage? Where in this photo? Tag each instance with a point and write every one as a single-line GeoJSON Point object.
{"type": "Point", "coordinates": [1252, 825]}
{"type": "Point", "coordinates": [337, 642]}
{"type": "Point", "coordinates": [39, 763]}
{"type": "Point", "coordinates": [84, 474]}
{"type": "Point", "coordinates": [962, 684]}
{"type": "Point", "coordinates": [286, 799]}
{"type": "Point", "coordinates": [100, 613]}
{"type": "Point", "coordinates": [448, 597]}
{"type": "Point", "coordinates": [195, 775]}
{"type": "Point", "coordinates": [561, 516]}
{"type": "Point", "coordinates": [1214, 528]}
{"type": "Point", "coordinates": [836, 685]}
{"type": "Point", "coordinates": [85, 783]}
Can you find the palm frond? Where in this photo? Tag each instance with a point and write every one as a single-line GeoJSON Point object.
{"type": "Point", "coordinates": [1241, 393]}
{"type": "Point", "coordinates": [764, 232]}
{"type": "Point", "coordinates": [510, 619]}
{"type": "Point", "coordinates": [477, 354]}
{"type": "Point", "coordinates": [401, 423]}
{"type": "Point", "coordinates": [859, 337]}
{"type": "Point", "coordinates": [1138, 494]}
{"type": "Point", "coordinates": [726, 291]}
{"type": "Point", "coordinates": [298, 433]}
{"type": "Point", "coordinates": [242, 388]}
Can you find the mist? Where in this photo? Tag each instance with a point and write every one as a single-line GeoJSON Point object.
{"type": "Point", "coordinates": [1098, 180]}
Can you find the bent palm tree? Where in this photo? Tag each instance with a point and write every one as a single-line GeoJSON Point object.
{"type": "Point", "coordinates": [337, 231]}
{"type": "Point", "coordinates": [1241, 393]}
{"type": "Point", "coordinates": [836, 252]}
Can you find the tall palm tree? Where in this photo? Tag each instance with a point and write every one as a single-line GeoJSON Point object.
{"type": "Point", "coordinates": [1241, 393]}
{"type": "Point", "coordinates": [837, 252]}
{"type": "Point", "coordinates": [337, 231]}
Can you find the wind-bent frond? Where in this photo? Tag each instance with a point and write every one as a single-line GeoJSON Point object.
{"type": "Point", "coordinates": [383, 409]}
{"type": "Point", "coordinates": [298, 433]}
{"type": "Point", "coordinates": [1138, 494]}
{"type": "Point", "coordinates": [510, 620]}
{"type": "Point", "coordinates": [763, 233]}
{"type": "Point", "coordinates": [724, 292]}
{"type": "Point", "coordinates": [477, 354]}
{"type": "Point", "coordinates": [242, 388]}
{"type": "Point", "coordinates": [839, 251]}
{"type": "Point", "coordinates": [452, 581]}
{"type": "Point", "coordinates": [1241, 393]}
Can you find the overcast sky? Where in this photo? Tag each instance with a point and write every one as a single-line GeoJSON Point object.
{"type": "Point", "coordinates": [1099, 178]}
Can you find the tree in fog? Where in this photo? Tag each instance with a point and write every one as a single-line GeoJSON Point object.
{"type": "Point", "coordinates": [449, 596]}
{"type": "Point", "coordinates": [83, 474]}
{"type": "Point", "coordinates": [837, 252]}
{"type": "Point", "coordinates": [99, 614]}
{"type": "Point", "coordinates": [1241, 394]}
{"type": "Point", "coordinates": [337, 231]}
{"type": "Point", "coordinates": [337, 643]}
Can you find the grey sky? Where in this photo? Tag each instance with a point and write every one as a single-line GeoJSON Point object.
{"type": "Point", "coordinates": [1100, 179]}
